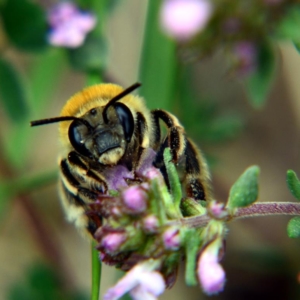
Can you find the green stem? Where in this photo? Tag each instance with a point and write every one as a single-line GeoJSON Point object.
{"type": "Point", "coordinates": [158, 62]}
{"type": "Point", "coordinates": [96, 272]}
{"type": "Point", "coordinates": [94, 78]}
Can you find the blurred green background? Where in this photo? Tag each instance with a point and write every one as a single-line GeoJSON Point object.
{"type": "Point", "coordinates": [44, 257]}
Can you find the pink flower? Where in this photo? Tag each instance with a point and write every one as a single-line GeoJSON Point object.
{"type": "Point", "coordinates": [112, 241]}
{"type": "Point", "coordinates": [69, 25]}
{"type": "Point", "coordinates": [182, 19]}
{"type": "Point", "coordinates": [142, 282]}
{"type": "Point", "coordinates": [154, 174]}
{"type": "Point", "coordinates": [150, 224]}
{"type": "Point", "coordinates": [171, 238]}
{"type": "Point", "coordinates": [135, 198]}
{"type": "Point", "coordinates": [217, 209]}
{"type": "Point", "coordinates": [210, 273]}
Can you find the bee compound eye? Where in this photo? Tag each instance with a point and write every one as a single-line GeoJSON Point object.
{"type": "Point", "coordinates": [93, 112]}
{"type": "Point", "coordinates": [126, 119]}
{"type": "Point", "coordinates": [77, 133]}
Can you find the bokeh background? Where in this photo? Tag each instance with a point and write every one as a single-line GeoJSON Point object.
{"type": "Point", "coordinates": [44, 257]}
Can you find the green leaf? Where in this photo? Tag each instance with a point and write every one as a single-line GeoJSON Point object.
{"type": "Point", "coordinates": [160, 199]}
{"type": "Point", "coordinates": [190, 207]}
{"type": "Point", "coordinates": [12, 93]}
{"type": "Point", "coordinates": [25, 24]}
{"type": "Point", "coordinates": [41, 282]}
{"type": "Point", "coordinates": [245, 190]}
{"type": "Point", "coordinates": [293, 183]}
{"type": "Point", "coordinates": [45, 74]}
{"type": "Point", "coordinates": [293, 228]}
{"type": "Point", "coordinates": [158, 62]}
{"type": "Point", "coordinates": [91, 56]}
{"type": "Point", "coordinates": [288, 27]}
{"type": "Point", "coordinates": [192, 242]}
{"type": "Point", "coordinates": [173, 178]}
{"type": "Point", "coordinates": [222, 128]}
{"type": "Point", "coordinates": [259, 83]}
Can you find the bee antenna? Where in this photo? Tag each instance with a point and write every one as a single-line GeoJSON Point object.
{"type": "Point", "coordinates": [59, 119]}
{"type": "Point", "coordinates": [51, 120]}
{"type": "Point", "coordinates": [117, 98]}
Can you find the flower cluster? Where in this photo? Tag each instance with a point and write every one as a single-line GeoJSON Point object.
{"type": "Point", "coordinates": [239, 28]}
{"type": "Point", "coordinates": [69, 25]}
{"type": "Point", "coordinates": [141, 233]}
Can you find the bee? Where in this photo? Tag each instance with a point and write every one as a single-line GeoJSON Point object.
{"type": "Point", "coordinates": [104, 126]}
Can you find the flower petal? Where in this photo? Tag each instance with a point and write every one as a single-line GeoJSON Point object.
{"type": "Point", "coordinates": [182, 19]}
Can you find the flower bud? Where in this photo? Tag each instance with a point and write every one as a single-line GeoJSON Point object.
{"type": "Point", "coordinates": [217, 209]}
{"type": "Point", "coordinates": [153, 173]}
{"type": "Point", "coordinates": [112, 241]}
{"type": "Point", "coordinates": [135, 198]}
{"type": "Point", "coordinates": [171, 238]}
{"type": "Point", "coordinates": [150, 224]}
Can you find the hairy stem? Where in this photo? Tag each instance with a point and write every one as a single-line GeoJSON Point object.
{"type": "Point", "coordinates": [268, 209]}
{"type": "Point", "coordinates": [255, 210]}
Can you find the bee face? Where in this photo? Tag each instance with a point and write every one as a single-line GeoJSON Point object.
{"type": "Point", "coordinates": [103, 135]}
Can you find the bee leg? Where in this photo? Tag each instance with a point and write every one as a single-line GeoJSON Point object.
{"type": "Point", "coordinates": [143, 141]}
{"type": "Point", "coordinates": [78, 191]}
{"type": "Point", "coordinates": [197, 175]}
{"type": "Point", "coordinates": [94, 180]}
{"type": "Point", "coordinates": [175, 140]}
{"type": "Point", "coordinates": [176, 134]}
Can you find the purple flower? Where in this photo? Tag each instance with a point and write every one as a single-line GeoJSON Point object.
{"type": "Point", "coordinates": [69, 25]}
{"type": "Point", "coordinates": [246, 56]}
{"type": "Point", "coordinates": [135, 198]}
{"type": "Point", "coordinates": [171, 238]}
{"type": "Point", "coordinates": [142, 282]}
{"type": "Point", "coordinates": [210, 273]}
{"type": "Point", "coordinates": [112, 241]}
{"type": "Point", "coordinates": [182, 19]}
{"type": "Point", "coordinates": [116, 177]}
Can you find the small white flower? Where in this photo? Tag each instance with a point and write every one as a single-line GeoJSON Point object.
{"type": "Point", "coordinates": [210, 273]}
{"type": "Point", "coordinates": [182, 19]}
{"type": "Point", "coordinates": [142, 282]}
